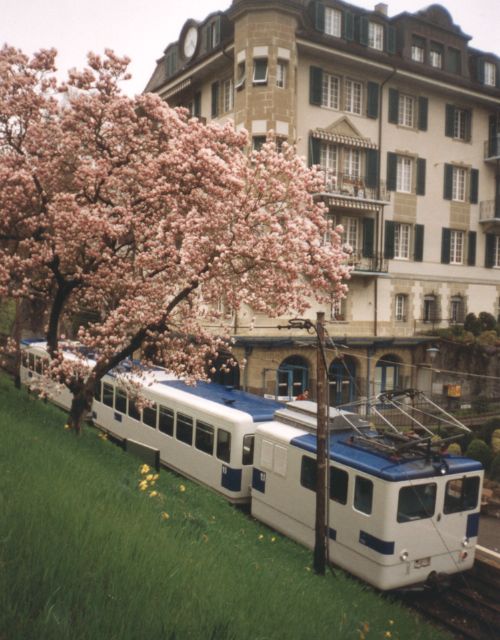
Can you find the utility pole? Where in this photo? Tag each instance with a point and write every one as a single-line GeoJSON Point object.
{"type": "Point", "coordinates": [321, 453]}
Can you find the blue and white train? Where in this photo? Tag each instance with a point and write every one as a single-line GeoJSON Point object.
{"type": "Point", "coordinates": [400, 511]}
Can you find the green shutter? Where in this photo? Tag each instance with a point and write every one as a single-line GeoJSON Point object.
{"type": "Point", "coordinates": [474, 186]}
{"type": "Point", "coordinates": [315, 86]}
{"type": "Point", "coordinates": [471, 248]}
{"type": "Point", "coordinates": [319, 16]}
{"type": "Point", "coordinates": [489, 256]}
{"type": "Point", "coordinates": [215, 99]}
{"type": "Point", "coordinates": [372, 99]}
{"type": "Point", "coordinates": [480, 70]}
{"type": "Point", "coordinates": [468, 125]}
{"type": "Point", "coordinates": [314, 151]}
{"type": "Point", "coordinates": [390, 39]}
{"type": "Point", "coordinates": [393, 106]}
{"type": "Point", "coordinates": [450, 117]}
{"type": "Point", "coordinates": [392, 167]}
{"type": "Point", "coordinates": [421, 164]}
{"type": "Point", "coordinates": [423, 109]}
{"type": "Point", "coordinates": [389, 239]}
{"type": "Point", "coordinates": [217, 30]}
{"type": "Point", "coordinates": [371, 179]}
{"type": "Point", "coordinates": [445, 246]}
{"type": "Point", "coordinates": [363, 30]}
{"type": "Point", "coordinates": [368, 237]}
{"type": "Point", "coordinates": [197, 104]}
{"type": "Point", "coordinates": [349, 26]}
{"type": "Point", "coordinates": [448, 181]}
{"type": "Point", "coordinates": [418, 249]}
{"type": "Point", "coordinates": [206, 38]}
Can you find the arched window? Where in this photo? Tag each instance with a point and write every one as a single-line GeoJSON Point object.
{"type": "Point", "coordinates": [342, 381]}
{"type": "Point", "coordinates": [387, 373]}
{"type": "Point", "coordinates": [292, 377]}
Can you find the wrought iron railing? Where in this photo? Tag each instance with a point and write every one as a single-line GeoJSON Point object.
{"type": "Point", "coordinates": [489, 209]}
{"type": "Point", "coordinates": [354, 186]}
{"type": "Point", "coordinates": [492, 147]}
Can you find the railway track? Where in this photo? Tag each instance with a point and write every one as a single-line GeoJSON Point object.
{"type": "Point", "coordinates": [469, 608]}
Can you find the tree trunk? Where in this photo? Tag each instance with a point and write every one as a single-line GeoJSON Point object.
{"type": "Point", "coordinates": [81, 405]}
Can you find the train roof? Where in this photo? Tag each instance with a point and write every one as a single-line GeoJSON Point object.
{"type": "Point", "coordinates": [345, 451]}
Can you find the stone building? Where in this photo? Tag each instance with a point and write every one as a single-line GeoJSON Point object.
{"type": "Point", "coordinates": [404, 118]}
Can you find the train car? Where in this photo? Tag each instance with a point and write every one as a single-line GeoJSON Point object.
{"type": "Point", "coordinates": [205, 432]}
{"type": "Point", "coordinates": [398, 515]}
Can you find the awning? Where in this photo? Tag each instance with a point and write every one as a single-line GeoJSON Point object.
{"type": "Point", "coordinates": [338, 138]}
{"type": "Point", "coordinates": [176, 89]}
{"type": "Point", "coordinates": [349, 202]}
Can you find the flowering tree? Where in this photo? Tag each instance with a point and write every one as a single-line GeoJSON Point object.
{"type": "Point", "coordinates": [148, 217]}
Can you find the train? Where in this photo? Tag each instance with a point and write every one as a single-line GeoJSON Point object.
{"type": "Point", "coordinates": [401, 511]}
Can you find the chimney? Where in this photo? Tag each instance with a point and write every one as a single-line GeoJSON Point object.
{"type": "Point", "coordinates": [381, 8]}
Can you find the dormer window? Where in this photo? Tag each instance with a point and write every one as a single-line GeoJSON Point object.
{"type": "Point", "coordinates": [333, 22]}
{"type": "Point", "coordinates": [490, 74]}
{"type": "Point", "coordinates": [260, 71]}
{"type": "Point", "coordinates": [418, 49]}
{"type": "Point", "coordinates": [376, 36]}
{"type": "Point", "coordinates": [436, 55]}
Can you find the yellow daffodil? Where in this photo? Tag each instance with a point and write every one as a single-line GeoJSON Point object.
{"type": "Point", "coordinates": [67, 426]}
{"type": "Point", "coordinates": [387, 634]}
{"type": "Point", "coordinates": [149, 477]}
{"type": "Point", "coordinates": [156, 476]}
{"type": "Point", "coordinates": [391, 622]}
{"type": "Point", "coordinates": [261, 537]}
{"type": "Point", "coordinates": [143, 485]}
{"type": "Point", "coordinates": [182, 488]}
{"type": "Point", "coordinates": [164, 515]}
{"type": "Point", "coordinates": [144, 469]}
{"type": "Point", "coordinates": [153, 494]}
{"type": "Point", "coordinates": [273, 539]}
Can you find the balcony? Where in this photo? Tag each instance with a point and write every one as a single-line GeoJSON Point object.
{"type": "Point", "coordinates": [492, 148]}
{"type": "Point", "coordinates": [489, 215]}
{"type": "Point", "coordinates": [363, 266]}
{"type": "Point", "coordinates": [350, 191]}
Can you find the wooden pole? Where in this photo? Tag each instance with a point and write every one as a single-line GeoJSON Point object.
{"type": "Point", "coordinates": [321, 453]}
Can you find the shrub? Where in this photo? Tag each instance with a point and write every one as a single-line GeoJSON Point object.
{"type": "Point", "coordinates": [486, 321]}
{"type": "Point", "coordinates": [485, 432]}
{"type": "Point", "coordinates": [455, 449]}
{"type": "Point", "coordinates": [479, 450]}
{"type": "Point", "coordinates": [495, 468]}
{"type": "Point", "coordinates": [495, 441]}
{"type": "Point", "coordinates": [471, 323]}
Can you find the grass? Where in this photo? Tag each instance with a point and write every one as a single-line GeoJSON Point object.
{"type": "Point", "coordinates": [85, 554]}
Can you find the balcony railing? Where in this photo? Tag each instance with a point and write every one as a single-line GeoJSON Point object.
{"type": "Point", "coordinates": [489, 209]}
{"type": "Point", "coordinates": [353, 186]}
{"type": "Point", "coordinates": [363, 265]}
{"type": "Point", "coordinates": [492, 148]}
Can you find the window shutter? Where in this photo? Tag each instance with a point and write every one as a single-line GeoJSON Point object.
{"type": "Point", "coordinates": [418, 249]}
{"type": "Point", "coordinates": [474, 186]}
{"type": "Point", "coordinates": [217, 30]}
{"type": "Point", "coordinates": [450, 116]}
{"type": "Point", "coordinates": [390, 39]}
{"type": "Point", "coordinates": [206, 38]}
{"type": "Point", "coordinates": [215, 99]}
{"type": "Point", "coordinates": [363, 30]}
{"type": "Point", "coordinates": [471, 248]}
{"type": "Point", "coordinates": [468, 125]}
{"type": "Point", "coordinates": [368, 237]}
{"type": "Point", "coordinates": [389, 239]}
{"type": "Point", "coordinates": [315, 85]}
{"type": "Point", "coordinates": [392, 167]}
{"type": "Point", "coordinates": [314, 151]}
{"type": "Point", "coordinates": [421, 164]}
{"type": "Point", "coordinates": [319, 16]}
{"type": "Point", "coordinates": [448, 181]}
{"type": "Point", "coordinates": [197, 104]}
{"type": "Point", "coordinates": [393, 106]}
{"type": "Point", "coordinates": [372, 100]}
{"type": "Point", "coordinates": [371, 179]}
{"type": "Point", "coordinates": [480, 70]}
{"type": "Point", "coordinates": [349, 26]}
{"type": "Point", "coordinates": [445, 246]}
{"type": "Point", "coordinates": [489, 256]}
{"type": "Point", "coordinates": [423, 109]}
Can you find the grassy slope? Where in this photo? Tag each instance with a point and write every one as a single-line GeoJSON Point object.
{"type": "Point", "coordinates": [85, 554]}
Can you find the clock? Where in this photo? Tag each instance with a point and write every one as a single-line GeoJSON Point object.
{"type": "Point", "coordinates": [190, 42]}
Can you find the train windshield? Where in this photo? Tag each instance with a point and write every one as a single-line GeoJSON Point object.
{"type": "Point", "coordinates": [417, 502]}
{"type": "Point", "coordinates": [461, 494]}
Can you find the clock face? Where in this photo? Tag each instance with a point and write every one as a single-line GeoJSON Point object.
{"type": "Point", "coordinates": [190, 42]}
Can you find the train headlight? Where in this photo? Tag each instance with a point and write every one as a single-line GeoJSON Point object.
{"type": "Point", "coordinates": [404, 555]}
{"type": "Point", "coordinates": [465, 542]}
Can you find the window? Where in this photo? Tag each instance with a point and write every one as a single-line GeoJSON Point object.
{"type": "Point", "coordinates": [248, 445]}
{"type": "Point", "coordinates": [352, 159]}
{"type": "Point", "coordinates": [31, 361]}
{"type": "Point", "coordinates": [490, 74]}
{"type": "Point", "coordinates": [240, 76]}
{"type": "Point", "coordinates": [121, 401]}
{"type": "Point", "coordinates": [402, 241]}
{"type": "Point", "coordinates": [214, 31]}
{"type": "Point", "coordinates": [133, 411]}
{"type": "Point", "coordinates": [458, 184]}
{"type": "Point", "coordinates": [460, 124]}
{"type": "Point", "coordinates": [257, 142]}
{"type": "Point", "coordinates": [406, 111]}
{"type": "Point", "coordinates": [430, 308]}
{"type": "Point", "coordinates": [281, 73]}
{"type": "Point", "coordinates": [350, 235]}
{"type": "Point", "coordinates": [38, 365]}
{"type": "Point", "coordinates": [223, 445]}
{"type": "Point", "coordinates": [461, 494]}
{"type": "Point", "coordinates": [184, 430]}
{"type": "Point", "coordinates": [416, 502]}
{"type": "Point", "coordinates": [330, 91]}
{"type": "Point", "coordinates": [97, 388]}
{"type": "Point", "coordinates": [339, 480]}
{"type": "Point", "coordinates": [400, 307]}
{"type": "Point", "coordinates": [363, 495]}
{"type": "Point", "coordinates": [454, 60]}
{"type": "Point", "coordinates": [149, 415]}
{"type": "Point", "coordinates": [404, 174]}
{"type": "Point", "coordinates": [204, 438]}
{"type": "Point", "coordinates": [436, 55]}
{"type": "Point", "coordinates": [496, 252]}
{"type": "Point", "coordinates": [375, 36]}
{"type": "Point", "coordinates": [353, 96]}
{"type": "Point", "coordinates": [166, 421]}
{"type": "Point", "coordinates": [456, 247]}
{"type": "Point", "coordinates": [418, 49]}
{"type": "Point", "coordinates": [107, 394]}
{"type": "Point", "coordinates": [227, 95]}
{"type": "Point", "coordinates": [308, 473]}
{"type": "Point", "coordinates": [457, 310]}
{"type": "Point", "coordinates": [260, 71]}
{"type": "Point", "coordinates": [333, 22]}
{"type": "Point", "coordinates": [328, 161]}
{"type": "Point", "coordinates": [338, 310]}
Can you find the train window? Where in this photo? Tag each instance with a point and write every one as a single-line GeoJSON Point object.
{"type": "Point", "coordinates": [363, 495]}
{"type": "Point", "coordinates": [308, 473]}
{"type": "Point", "coordinates": [184, 431]}
{"type": "Point", "coordinates": [416, 502]}
{"type": "Point", "coordinates": [121, 400]}
{"type": "Point", "coordinates": [204, 437]}
{"type": "Point", "coordinates": [97, 391]}
{"type": "Point", "coordinates": [31, 361]}
{"type": "Point", "coordinates": [248, 443]}
{"type": "Point", "coordinates": [25, 359]}
{"type": "Point", "coordinates": [461, 494]}
{"type": "Point", "coordinates": [223, 445]}
{"type": "Point", "coordinates": [339, 480]}
{"type": "Point", "coordinates": [149, 415]}
{"type": "Point", "coordinates": [38, 365]}
{"type": "Point", "coordinates": [133, 411]}
{"type": "Point", "coordinates": [45, 365]}
{"type": "Point", "coordinates": [107, 394]}
{"type": "Point", "coordinates": [166, 421]}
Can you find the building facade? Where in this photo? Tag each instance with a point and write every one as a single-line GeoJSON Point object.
{"type": "Point", "coordinates": [403, 116]}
